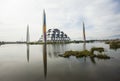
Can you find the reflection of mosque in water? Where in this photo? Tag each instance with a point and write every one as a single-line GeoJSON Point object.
{"type": "Point", "coordinates": [55, 50]}
{"type": "Point", "coordinates": [55, 35]}
{"type": "Point", "coordinates": [45, 59]}
{"type": "Point", "coordinates": [28, 48]}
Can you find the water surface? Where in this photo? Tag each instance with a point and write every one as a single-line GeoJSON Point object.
{"type": "Point", "coordinates": [42, 63]}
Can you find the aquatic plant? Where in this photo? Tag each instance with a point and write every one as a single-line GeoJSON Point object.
{"type": "Point", "coordinates": [114, 45]}
{"type": "Point", "coordinates": [86, 53]}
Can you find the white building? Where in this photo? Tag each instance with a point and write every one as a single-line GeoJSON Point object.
{"type": "Point", "coordinates": [55, 35]}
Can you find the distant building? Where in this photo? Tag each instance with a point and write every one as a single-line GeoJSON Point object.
{"type": "Point", "coordinates": [55, 35]}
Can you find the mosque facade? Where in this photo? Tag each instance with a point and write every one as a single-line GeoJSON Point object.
{"type": "Point", "coordinates": [55, 35]}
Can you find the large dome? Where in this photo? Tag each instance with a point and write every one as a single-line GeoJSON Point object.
{"type": "Point", "coordinates": [55, 35]}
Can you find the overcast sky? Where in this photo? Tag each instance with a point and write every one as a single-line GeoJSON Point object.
{"type": "Point", "coordinates": [101, 17]}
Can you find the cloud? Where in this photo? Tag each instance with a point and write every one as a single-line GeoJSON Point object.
{"type": "Point", "coordinates": [101, 17]}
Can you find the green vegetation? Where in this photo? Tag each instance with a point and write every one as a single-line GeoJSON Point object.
{"type": "Point", "coordinates": [113, 44]}
{"type": "Point", "coordinates": [49, 42]}
{"type": "Point", "coordinates": [86, 53]}
{"type": "Point", "coordinates": [76, 53]}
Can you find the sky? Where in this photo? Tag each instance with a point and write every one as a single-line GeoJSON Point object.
{"type": "Point", "coordinates": [101, 18]}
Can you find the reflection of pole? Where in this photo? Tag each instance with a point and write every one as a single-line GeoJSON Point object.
{"type": "Point", "coordinates": [93, 60]}
{"type": "Point", "coordinates": [44, 27]}
{"type": "Point", "coordinates": [84, 46]}
{"type": "Point", "coordinates": [28, 52]}
{"type": "Point", "coordinates": [27, 37]}
{"type": "Point", "coordinates": [45, 60]}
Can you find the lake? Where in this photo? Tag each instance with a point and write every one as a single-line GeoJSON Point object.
{"type": "Point", "coordinates": [21, 62]}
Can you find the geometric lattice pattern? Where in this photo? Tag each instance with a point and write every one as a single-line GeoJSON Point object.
{"type": "Point", "coordinates": [55, 35]}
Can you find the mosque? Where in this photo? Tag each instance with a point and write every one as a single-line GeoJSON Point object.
{"type": "Point", "coordinates": [52, 35]}
{"type": "Point", "coordinates": [55, 35]}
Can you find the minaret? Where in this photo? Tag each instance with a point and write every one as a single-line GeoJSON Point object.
{"type": "Point", "coordinates": [44, 26]}
{"type": "Point", "coordinates": [44, 47]}
{"type": "Point", "coordinates": [84, 37]}
{"type": "Point", "coordinates": [27, 36]}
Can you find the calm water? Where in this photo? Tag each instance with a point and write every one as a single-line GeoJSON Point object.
{"type": "Point", "coordinates": [42, 63]}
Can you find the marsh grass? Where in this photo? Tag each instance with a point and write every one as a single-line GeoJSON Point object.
{"type": "Point", "coordinates": [86, 53]}
{"type": "Point", "coordinates": [114, 45]}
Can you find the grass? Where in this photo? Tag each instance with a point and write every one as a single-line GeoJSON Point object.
{"type": "Point", "coordinates": [114, 45]}
{"type": "Point", "coordinates": [86, 53]}
{"type": "Point", "coordinates": [113, 42]}
{"type": "Point", "coordinates": [76, 53]}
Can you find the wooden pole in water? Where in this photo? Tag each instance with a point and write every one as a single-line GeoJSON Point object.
{"type": "Point", "coordinates": [44, 26]}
